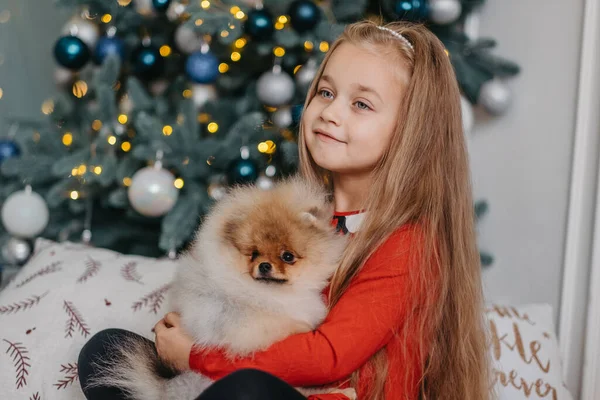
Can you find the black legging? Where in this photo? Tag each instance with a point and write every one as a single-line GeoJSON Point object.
{"type": "Point", "coordinates": [247, 384]}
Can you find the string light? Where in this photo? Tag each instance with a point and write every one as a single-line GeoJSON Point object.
{"type": "Point", "coordinates": [80, 89]}
{"type": "Point", "coordinates": [240, 14]}
{"type": "Point", "coordinates": [178, 183]}
{"type": "Point", "coordinates": [112, 140]}
{"type": "Point", "coordinates": [96, 125]}
{"type": "Point", "coordinates": [267, 147]}
{"type": "Point", "coordinates": [205, 4]}
{"type": "Point", "coordinates": [297, 67]}
{"type": "Point", "coordinates": [4, 16]}
{"type": "Point", "coordinates": [283, 19]}
{"type": "Point", "coordinates": [279, 51]}
{"type": "Point", "coordinates": [240, 43]}
{"type": "Point", "coordinates": [167, 130]}
{"type": "Point", "coordinates": [224, 33]}
{"type": "Point", "coordinates": [235, 56]}
{"type": "Point", "coordinates": [48, 107]}
{"type": "Point", "coordinates": [67, 139]}
{"type": "Point", "coordinates": [106, 18]}
{"type": "Point", "coordinates": [203, 118]}
{"type": "Point", "coordinates": [279, 26]}
{"type": "Point", "coordinates": [127, 181]}
{"type": "Point", "coordinates": [187, 93]}
{"type": "Point", "coordinates": [165, 50]}
{"type": "Point", "coordinates": [324, 47]}
{"type": "Point", "coordinates": [74, 172]}
{"type": "Point", "coordinates": [223, 67]}
{"type": "Point", "coordinates": [234, 9]}
{"type": "Point", "coordinates": [123, 3]}
{"type": "Point", "coordinates": [198, 22]}
{"type": "Point", "coordinates": [122, 119]}
{"type": "Point", "coordinates": [213, 127]}
{"type": "Point", "coordinates": [82, 169]}
{"type": "Point", "coordinates": [125, 146]}
{"type": "Point", "coordinates": [97, 170]}
{"type": "Point", "coordinates": [308, 45]}
{"type": "Point", "coordinates": [74, 194]}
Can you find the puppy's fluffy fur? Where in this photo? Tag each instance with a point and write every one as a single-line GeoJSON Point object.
{"type": "Point", "coordinates": [253, 276]}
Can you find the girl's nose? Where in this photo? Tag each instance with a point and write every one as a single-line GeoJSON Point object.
{"type": "Point", "coordinates": [332, 113]}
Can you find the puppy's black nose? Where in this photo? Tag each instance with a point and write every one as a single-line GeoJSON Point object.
{"type": "Point", "coordinates": [265, 268]}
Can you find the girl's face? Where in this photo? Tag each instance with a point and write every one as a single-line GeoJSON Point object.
{"type": "Point", "coordinates": [349, 123]}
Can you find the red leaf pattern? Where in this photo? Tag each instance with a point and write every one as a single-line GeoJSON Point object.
{"type": "Point", "coordinates": [91, 268]}
{"type": "Point", "coordinates": [22, 305]}
{"type": "Point", "coordinates": [71, 375]}
{"type": "Point", "coordinates": [75, 320]}
{"type": "Point", "coordinates": [54, 267]}
{"type": "Point", "coordinates": [152, 300]}
{"type": "Point", "coordinates": [36, 396]}
{"type": "Point", "coordinates": [129, 272]}
{"type": "Point", "coordinates": [19, 355]}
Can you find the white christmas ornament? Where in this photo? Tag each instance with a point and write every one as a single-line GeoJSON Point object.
{"type": "Point", "coordinates": [444, 12]}
{"type": "Point", "coordinates": [85, 30]}
{"type": "Point", "coordinates": [187, 40]}
{"type": "Point", "coordinates": [201, 93]}
{"type": "Point", "coordinates": [264, 182]}
{"type": "Point", "coordinates": [495, 97]}
{"type": "Point", "coordinates": [152, 192]}
{"type": "Point", "coordinates": [275, 88]}
{"type": "Point", "coordinates": [175, 10]}
{"type": "Point", "coordinates": [468, 118]}
{"type": "Point", "coordinates": [25, 214]}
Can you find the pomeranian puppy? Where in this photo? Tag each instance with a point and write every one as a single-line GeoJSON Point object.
{"type": "Point", "coordinates": [253, 275]}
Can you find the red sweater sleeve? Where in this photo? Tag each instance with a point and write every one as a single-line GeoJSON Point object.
{"type": "Point", "coordinates": [361, 323]}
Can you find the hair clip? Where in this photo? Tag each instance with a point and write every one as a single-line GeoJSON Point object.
{"type": "Point", "coordinates": [396, 34]}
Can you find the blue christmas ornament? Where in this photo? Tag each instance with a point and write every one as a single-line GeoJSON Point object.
{"type": "Point", "coordinates": [242, 171]}
{"type": "Point", "coordinates": [8, 149]}
{"type": "Point", "coordinates": [297, 113]}
{"type": "Point", "coordinates": [411, 10]}
{"type": "Point", "coordinates": [107, 46]}
{"type": "Point", "coordinates": [304, 15]}
{"type": "Point", "coordinates": [161, 5]}
{"type": "Point", "coordinates": [259, 24]}
{"type": "Point", "coordinates": [202, 67]}
{"type": "Point", "coordinates": [71, 52]}
{"type": "Point", "coordinates": [148, 63]}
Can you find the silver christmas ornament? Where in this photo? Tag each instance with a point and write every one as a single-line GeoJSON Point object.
{"type": "Point", "coordinates": [85, 30]}
{"type": "Point", "coordinates": [187, 40]}
{"type": "Point", "coordinates": [16, 251]}
{"type": "Point", "coordinates": [275, 88]}
{"type": "Point", "coordinates": [282, 117]}
{"type": "Point", "coordinates": [444, 12]}
{"type": "Point", "coordinates": [305, 75]}
{"type": "Point", "coordinates": [201, 93]}
{"type": "Point", "coordinates": [152, 192]}
{"type": "Point", "coordinates": [468, 118]}
{"type": "Point", "coordinates": [495, 97]}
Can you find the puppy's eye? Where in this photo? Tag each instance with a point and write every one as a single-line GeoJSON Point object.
{"type": "Point", "coordinates": [254, 255]}
{"type": "Point", "coordinates": [288, 257]}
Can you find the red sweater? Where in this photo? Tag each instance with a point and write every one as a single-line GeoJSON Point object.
{"type": "Point", "coordinates": [361, 323]}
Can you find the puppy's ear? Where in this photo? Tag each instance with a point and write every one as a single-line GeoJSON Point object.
{"type": "Point", "coordinates": [317, 216]}
{"type": "Point", "coordinates": [311, 216]}
{"type": "Point", "coordinates": [231, 230]}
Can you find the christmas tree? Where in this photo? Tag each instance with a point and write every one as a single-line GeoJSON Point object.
{"type": "Point", "coordinates": [165, 103]}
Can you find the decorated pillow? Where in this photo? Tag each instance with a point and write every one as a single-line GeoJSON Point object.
{"type": "Point", "coordinates": [525, 353]}
{"type": "Point", "coordinates": [67, 292]}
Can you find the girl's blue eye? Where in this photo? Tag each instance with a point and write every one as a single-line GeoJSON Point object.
{"type": "Point", "coordinates": [324, 93]}
{"type": "Point", "coordinates": [362, 105]}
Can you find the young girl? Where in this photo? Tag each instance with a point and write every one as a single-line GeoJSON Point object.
{"type": "Point", "coordinates": [382, 129]}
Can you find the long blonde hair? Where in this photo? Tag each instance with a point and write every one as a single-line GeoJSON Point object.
{"type": "Point", "coordinates": [422, 178]}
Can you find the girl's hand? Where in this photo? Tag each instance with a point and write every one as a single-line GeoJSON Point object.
{"type": "Point", "coordinates": [172, 343]}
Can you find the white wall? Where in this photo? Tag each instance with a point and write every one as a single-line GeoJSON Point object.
{"type": "Point", "coordinates": [521, 162]}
